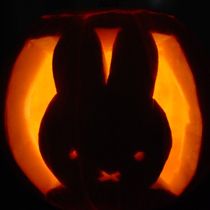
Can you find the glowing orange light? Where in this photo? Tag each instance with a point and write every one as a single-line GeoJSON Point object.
{"type": "Point", "coordinates": [73, 154]}
{"type": "Point", "coordinates": [175, 91]}
{"type": "Point", "coordinates": [107, 37]}
{"type": "Point", "coordinates": [139, 156]}
{"type": "Point", "coordinates": [114, 177]}
{"type": "Point", "coordinates": [31, 88]}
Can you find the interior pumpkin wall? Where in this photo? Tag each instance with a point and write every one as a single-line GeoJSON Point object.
{"type": "Point", "coordinates": [31, 88]}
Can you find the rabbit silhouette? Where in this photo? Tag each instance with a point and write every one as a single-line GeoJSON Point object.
{"type": "Point", "coordinates": [105, 141]}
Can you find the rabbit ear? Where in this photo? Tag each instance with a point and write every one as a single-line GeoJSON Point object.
{"type": "Point", "coordinates": [65, 58]}
{"type": "Point", "coordinates": [134, 63]}
{"type": "Point", "coordinates": [77, 61]}
{"type": "Point", "coordinates": [91, 63]}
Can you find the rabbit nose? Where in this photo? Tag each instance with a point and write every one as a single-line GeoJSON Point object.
{"type": "Point", "coordinates": [105, 176]}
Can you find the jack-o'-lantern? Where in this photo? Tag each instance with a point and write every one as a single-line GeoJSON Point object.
{"type": "Point", "coordinates": [107, 106]}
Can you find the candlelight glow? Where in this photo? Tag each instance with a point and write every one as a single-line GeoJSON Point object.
{"type": "Point", "coordinates": [139, 156]}
{"type": "Point", "coordinates": [73, 154]}
{"type": "Point", "coordinates": [30, 90]}
{"type": "Point", "coordinates": [175, 91]}
{"type": "Point", "coordinates": [113, 177]}
{"type": "Point", "coordinates": [32, 87]}
{"type": "Point", "coordinates": [107, 38]}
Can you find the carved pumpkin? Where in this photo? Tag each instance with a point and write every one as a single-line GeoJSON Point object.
{"type": "Point", "coordinates": [108, 107]}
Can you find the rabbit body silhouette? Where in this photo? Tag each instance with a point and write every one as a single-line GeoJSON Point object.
{"type": "Point", "coordinates": [107, 141]}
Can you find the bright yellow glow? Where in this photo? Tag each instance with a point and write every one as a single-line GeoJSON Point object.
{"type": "Point", "coordinates": [32, 87]}
{"type": "Point", "coordinates": [175, 91]}
{"type": "Point", "coordinates": [107, 38]}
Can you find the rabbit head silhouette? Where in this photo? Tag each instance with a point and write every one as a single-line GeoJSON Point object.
{"type": "Point", "coordinates": [100, 137]}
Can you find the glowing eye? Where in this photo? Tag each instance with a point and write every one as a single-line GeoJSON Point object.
{"type": "Point", "coordinates": [73, 154]}
{"type": "Point", "coordinates": [139, 156]}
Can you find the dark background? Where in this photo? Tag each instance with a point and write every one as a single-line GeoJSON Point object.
{"type": "Point", "coordinates": [17, 17]}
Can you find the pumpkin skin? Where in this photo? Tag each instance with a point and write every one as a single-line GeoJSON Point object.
{"type": "Point", "coordinates": [105, 122]}
{"type": "Point", "coordinates": [155, 21]}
